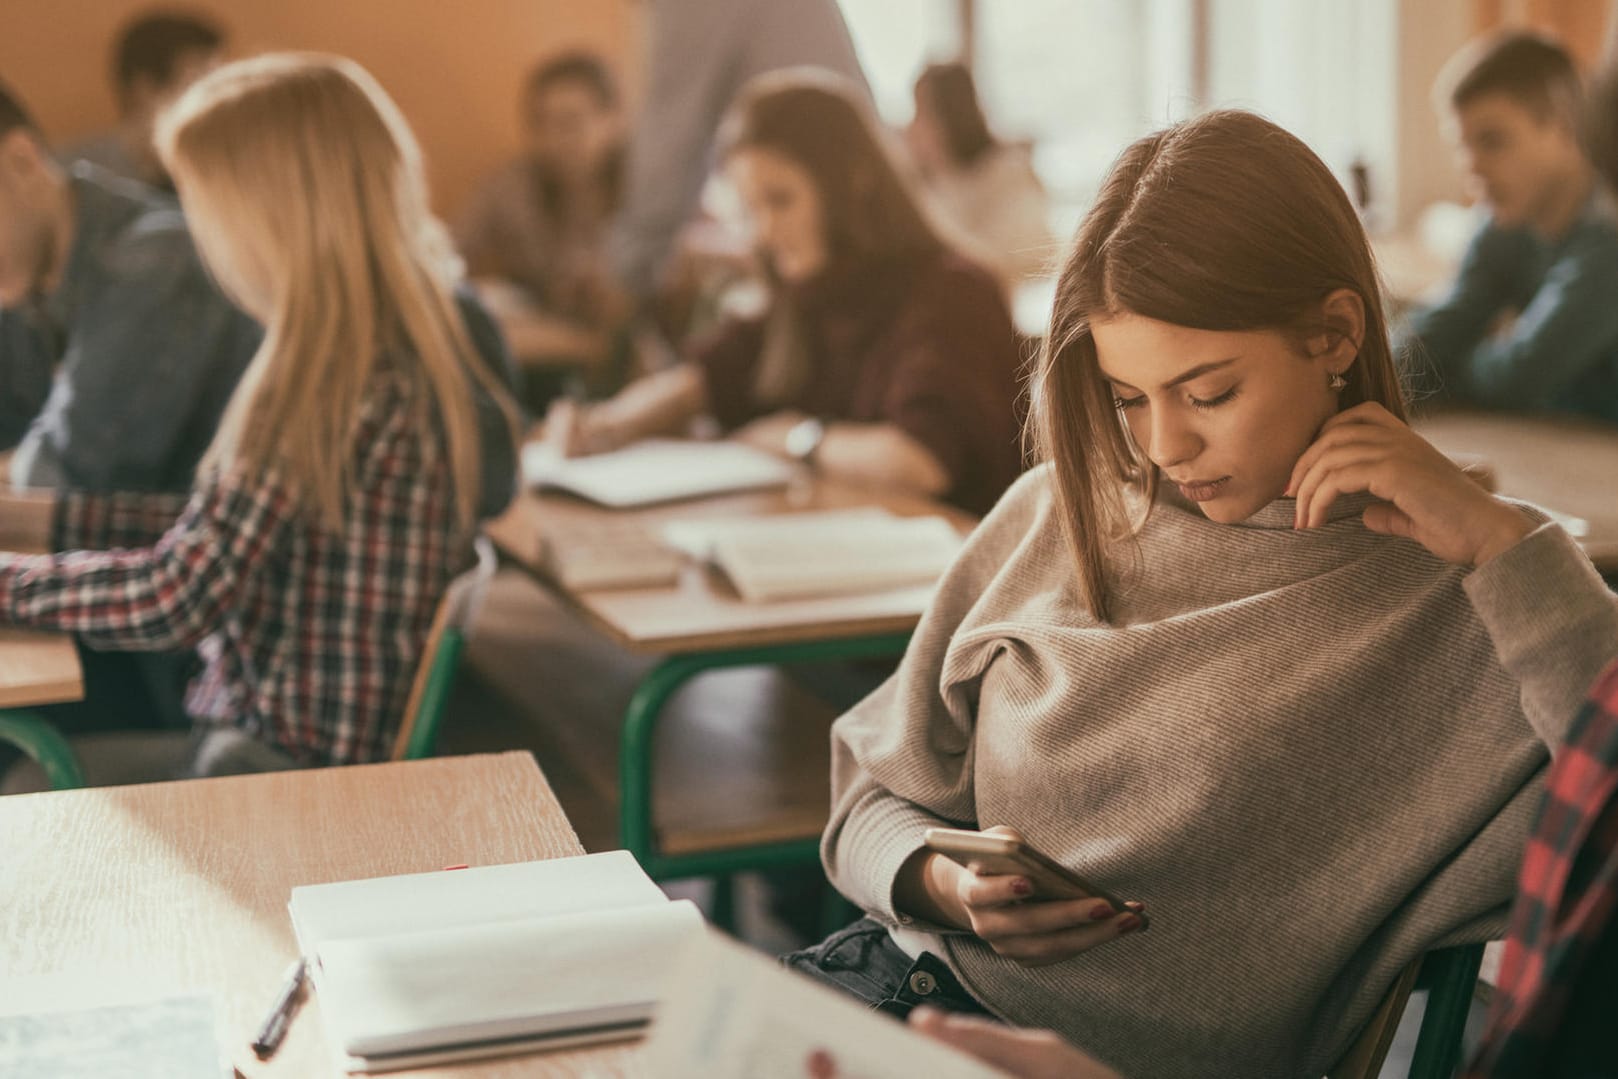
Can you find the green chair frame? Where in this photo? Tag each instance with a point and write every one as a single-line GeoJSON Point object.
{"type": "Point", "coordinates": [40, 740]}
{"type": "Point", "coordinates": [441, 662]}
{"type": "Point", "coordinates": [1450, 976]}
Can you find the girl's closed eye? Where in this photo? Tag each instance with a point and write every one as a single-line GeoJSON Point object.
{"type": "Point", "coordinates": [1214, 402]}
{"type": "Point", "coordinates": [1120, 402]}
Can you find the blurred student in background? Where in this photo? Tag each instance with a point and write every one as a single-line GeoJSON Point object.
{"type": "Point", "coordinates": [118, 355]}
{"type": "Point", "coordinates": [883, 357]}
{"type": "Point", "coordinates": [1530, 323]}
{"type": "Point", "coordinates": [534, 234]}
{"type": "Point", "coordinates": [156, 57]}
{"type": "Point", "coordinates": [343, 490]}
{"type": "Point", "coordinates": [699, 54]}
{"type": "Point", "coordinates": [985, 188]}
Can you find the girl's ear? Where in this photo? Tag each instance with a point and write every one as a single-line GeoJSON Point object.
{"type": "Point", "coordinates": [1342, 314]}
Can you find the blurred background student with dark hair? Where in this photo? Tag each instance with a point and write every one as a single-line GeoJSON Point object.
{"type": "Point", "coordinates": [882, 356]}
{"type": "Point", "coordinates": [699, 54]}
{"type": "Point", "coordinates": [158, 54]}
{"type": "Point", "coordinates": [1529, 323]}
{"type": "Point", "coordinates": [534, 233]}
{"type": "Point", "coordinates": [982, 186]}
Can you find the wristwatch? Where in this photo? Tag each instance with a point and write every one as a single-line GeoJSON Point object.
{"type": "Point", "coordinates": [804, 438]}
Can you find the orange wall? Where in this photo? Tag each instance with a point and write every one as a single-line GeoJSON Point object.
{"type": "Point", "coordinates": [454, 66]}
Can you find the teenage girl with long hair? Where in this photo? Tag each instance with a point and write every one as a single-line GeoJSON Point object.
{"type": "Point", "coordinates": [1246, 649]}
{"type": "Point", "coordinates": [881, 357]}
{"type": "Point", "coordinates": [344, 486]}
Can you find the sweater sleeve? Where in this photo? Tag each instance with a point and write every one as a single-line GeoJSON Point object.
{"type": "Point", "coordinates": [159, 598]}
{"type": "Point", "coordinates": [902, 759]}
{"type": "Point", "coordinates": [1553, 622]}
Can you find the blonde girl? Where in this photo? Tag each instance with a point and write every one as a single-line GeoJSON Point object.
{"type": "Point", "coordinates": [368, 436]}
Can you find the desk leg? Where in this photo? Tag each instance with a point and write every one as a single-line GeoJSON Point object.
{"type": "Point", "coordinates": [636, 828]}
{"type": "Point", "coordinates": [41, 741]}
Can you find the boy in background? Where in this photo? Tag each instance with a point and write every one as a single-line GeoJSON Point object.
{"type": "Point", "coordinates": [157, 56]}
{"type": "Point", "coordinates": [1531, 322]}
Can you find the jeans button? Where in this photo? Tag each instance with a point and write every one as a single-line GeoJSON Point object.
{"type": "Point", "coordinates": [922, 984]}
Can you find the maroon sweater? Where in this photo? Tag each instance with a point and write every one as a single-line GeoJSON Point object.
{"type": "Point", "coordinates": [924, 344]}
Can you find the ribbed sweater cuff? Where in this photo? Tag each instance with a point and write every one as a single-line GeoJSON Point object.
{"type": "Point", "coordinates": [1553, 620]}
{"type": "Point", "coordinates": [888, 834]}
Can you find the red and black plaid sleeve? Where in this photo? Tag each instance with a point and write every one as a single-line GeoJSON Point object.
{"type": "Point", "coordinates": [1567, 897]}
{"type": "Point", "coordinates": [95, 521]}
{"type": "Point", "coordinates": [166, 596]}
{"type": "Point", "coordinates": [309, 635]}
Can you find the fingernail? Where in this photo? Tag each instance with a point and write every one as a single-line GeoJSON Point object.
{"type": "Point", "coordinates": [1021, 886]}
{"type": "Point", "coordinates": [1101, 912]}
{"type": "Point", "coordinates": [1129, 923]}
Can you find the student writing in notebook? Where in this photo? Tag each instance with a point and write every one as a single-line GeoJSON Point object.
{"type": "Point", "coordinates": [368, 436]}
{"type": "Point", "coordinates": [882, 357]}
{"type": "Point", "coordinates": [1245, 649]}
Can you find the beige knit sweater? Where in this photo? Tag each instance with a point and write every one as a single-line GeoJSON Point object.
{"type": "Point", "coordinates": [1313, 755]}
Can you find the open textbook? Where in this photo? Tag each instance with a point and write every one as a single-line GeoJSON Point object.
{"type": "Point", "coordinates": [428, 968]}
{"type": "Point", "coordinates": [655, 470]}
{"type": "Point", "coordinates": [738, 1014]}
{"type": "Point", "coordinates": [820, 553]}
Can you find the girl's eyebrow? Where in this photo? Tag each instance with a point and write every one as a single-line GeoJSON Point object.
{"type": "Point", "coordinates": [1185, 376]}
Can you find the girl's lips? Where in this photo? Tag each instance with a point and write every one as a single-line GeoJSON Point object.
{"type": "Point", "coordinates": [1203, 491]}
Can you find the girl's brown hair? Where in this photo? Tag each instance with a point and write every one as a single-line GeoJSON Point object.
{"type": "Point", "coordinates": [814, 119]}
{"type": "Point", "coordinates": [1224, 222]}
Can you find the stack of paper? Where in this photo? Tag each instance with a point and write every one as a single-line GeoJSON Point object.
{"type": "Point", "coordinates": [433, 967]}
{"type": "Point", "coordinates": [739, 1015]}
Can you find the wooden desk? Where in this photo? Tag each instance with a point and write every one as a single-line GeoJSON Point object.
{"type": "Point", "coordinates": [701, 625]}
{"type": "Point", "coordinates": [130, 893]}
{"type": "Point", "coordinates": [38, 668]}
{"type": "Point", "coordinates": [703, 613]}
{"type": "Point", "coordinates": [1564, 464]}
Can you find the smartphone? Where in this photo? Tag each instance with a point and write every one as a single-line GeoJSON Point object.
{"type": "Point", "coordinates": [990, 852]}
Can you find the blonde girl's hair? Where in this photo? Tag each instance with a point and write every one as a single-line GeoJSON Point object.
{"type": "Point", "coordinates": [1224, 222]}
{"type": "Point", "coordinates": [311, 167]}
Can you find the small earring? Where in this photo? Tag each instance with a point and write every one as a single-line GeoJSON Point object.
{"type": "Point", "coordinates": [1337, 381]}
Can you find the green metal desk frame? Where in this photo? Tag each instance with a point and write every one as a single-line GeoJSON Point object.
{"type": "Point", "coordinates": [636, 827]}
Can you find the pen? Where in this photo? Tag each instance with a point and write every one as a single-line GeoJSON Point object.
{"type": "Point", "coordinates": [286, 1003]}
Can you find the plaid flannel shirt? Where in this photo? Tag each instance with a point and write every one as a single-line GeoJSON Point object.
{"type": "Point", "coordinates": [1567, 900]}
{"type": "Point", "coordinates": [310, 639]}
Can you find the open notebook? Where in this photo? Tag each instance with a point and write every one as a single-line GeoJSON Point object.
{"type": "Point", "coordinates": [820, 553]}
{"type": "Point", "coordinates": [428, 968]}
{"type": "Point", "coordinates": [740, 1015]}
{"type": "Point", "coordinates": [655, 470]}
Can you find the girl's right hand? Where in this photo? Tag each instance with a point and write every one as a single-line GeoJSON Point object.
{"type": "Point", "coordinates": [1001, 910]}
{"type": "Point", "coordinates": [575, 429]}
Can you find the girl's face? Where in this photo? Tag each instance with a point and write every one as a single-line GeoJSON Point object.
{"type": "Point", "coordinates": [784, 209]}
{"type": "Point", "coordinates": [1224, 414]}
{"type": "Point", "coordinates": [229, 256]}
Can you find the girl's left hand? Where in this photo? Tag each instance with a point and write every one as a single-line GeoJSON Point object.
{"type": "Point", "coordinates": [1425, 496]}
